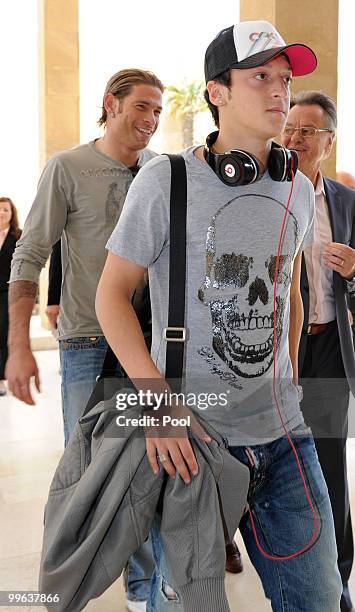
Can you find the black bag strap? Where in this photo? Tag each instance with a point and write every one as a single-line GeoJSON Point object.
{"type": "Point", "coordinates": [175, 333]}
{"type": "Point", "coordinates": [109, 365]}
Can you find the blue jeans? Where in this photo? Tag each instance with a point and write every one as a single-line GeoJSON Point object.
{"type": "Point", "coordinates": [284, 523]}
{"type": "Point", "coordinates": [81, 361]}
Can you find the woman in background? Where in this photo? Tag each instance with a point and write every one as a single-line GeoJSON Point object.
{"type": "Point", "coordinates": [9, 234]}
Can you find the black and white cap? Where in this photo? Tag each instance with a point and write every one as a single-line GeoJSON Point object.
{"type": "Point", "coordinates": [254, 43]}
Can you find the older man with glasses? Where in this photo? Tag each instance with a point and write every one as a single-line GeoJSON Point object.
{"type": "Point", "coordinates": [326, 353]}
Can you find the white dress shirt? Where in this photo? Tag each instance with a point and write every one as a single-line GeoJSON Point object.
{"type": "Point", "coordinates": [320, 278]}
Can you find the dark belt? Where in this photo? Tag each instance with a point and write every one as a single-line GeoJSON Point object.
{"type": "Point", "coordinates": [317, 328]}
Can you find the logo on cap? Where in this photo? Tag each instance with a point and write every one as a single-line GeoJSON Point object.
{"type": "Point", "coordinates": [262, 41]}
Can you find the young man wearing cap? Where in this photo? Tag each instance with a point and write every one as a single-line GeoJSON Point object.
{"type": "Point", "coordinates": [235, 325]}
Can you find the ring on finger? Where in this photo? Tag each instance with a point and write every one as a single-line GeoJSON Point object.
{"type": "Point", "coordinates": [342, 263]}
{"type": "Point", "coordinates": [163, 457]}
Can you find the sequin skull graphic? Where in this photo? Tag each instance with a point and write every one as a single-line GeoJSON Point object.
{"type": "Point", "coordinates": [239, 281]}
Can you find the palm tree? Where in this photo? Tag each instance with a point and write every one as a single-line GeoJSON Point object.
{"type": "Point", "coordinates": [184, 103]}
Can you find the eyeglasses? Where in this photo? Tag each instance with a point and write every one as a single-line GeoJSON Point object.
{"type": "Point", "coordinates": [306, 132]}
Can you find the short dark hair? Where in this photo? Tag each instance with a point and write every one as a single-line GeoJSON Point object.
{"type": "Point", "coordinates": [224, 78]}
{"type": "Point", "coordinates": [122, 82]}
{"type": "Point", "coordinates": [306, 98]}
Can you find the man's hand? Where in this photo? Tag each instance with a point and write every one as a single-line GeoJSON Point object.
{"type": "Point", "coordinates": [340, 258]}
{"type": "Point", "coordinates": [170, 444]}
{"type": "Point", "coordinates": [21, 365]}
{"type": "Point", "coordinates": [52, 313]}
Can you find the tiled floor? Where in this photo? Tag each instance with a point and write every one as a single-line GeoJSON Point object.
{"type": "Point", "coordinates": [30, 446]}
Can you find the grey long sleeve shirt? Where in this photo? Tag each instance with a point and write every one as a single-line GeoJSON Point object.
{"type": "Point", "coordinates": [80, 197]}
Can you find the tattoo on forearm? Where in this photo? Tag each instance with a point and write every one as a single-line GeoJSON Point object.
{"type": "Point", "coordinates": [20, 289]}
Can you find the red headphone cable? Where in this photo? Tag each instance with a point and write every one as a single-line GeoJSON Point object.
{"type": "Point", "coordinates": [308, 545]}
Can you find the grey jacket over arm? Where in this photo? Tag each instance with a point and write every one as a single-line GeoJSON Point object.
{"type": "Point", "coordinates": [102, 502]}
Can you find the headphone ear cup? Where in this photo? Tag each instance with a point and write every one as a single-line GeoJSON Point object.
{"type": "Point", "coordinates": [230, 170]}
{"type": "Point", "coordinates": [294, 162]}
{"type": "Point", "coordinates": [281, 163]}
{"type": "Point", "coordinates": [277, 164]}
{"type": "Point", "coordinates": [238, 168]}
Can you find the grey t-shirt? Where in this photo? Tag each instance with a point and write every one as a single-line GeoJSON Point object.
{"type": "Point", "coordinates": [80, 197]}
{"type": "Point", "coordinates": [232, 244]}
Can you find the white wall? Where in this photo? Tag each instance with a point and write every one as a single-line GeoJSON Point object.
{"type": "Point", "coordinates": [346, 80]}
{"type": "Point", "coordinates": [169, 38]}
{"type": "Point", "coordinates": [19, 102]}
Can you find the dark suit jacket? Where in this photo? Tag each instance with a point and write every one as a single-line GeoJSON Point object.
{"type": "Point", "coordinates": [6, 253]}
{"type": "Point", "coordinates": [341, 206]}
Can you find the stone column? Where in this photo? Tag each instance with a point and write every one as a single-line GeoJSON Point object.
{"type": "Point", "coordinates": [314, 24]}
{"type": "Point", "coordinates": [59, 88]}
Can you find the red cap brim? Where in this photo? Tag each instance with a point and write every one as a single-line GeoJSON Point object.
{"type": "Point", "coordinates": [302, 59]}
